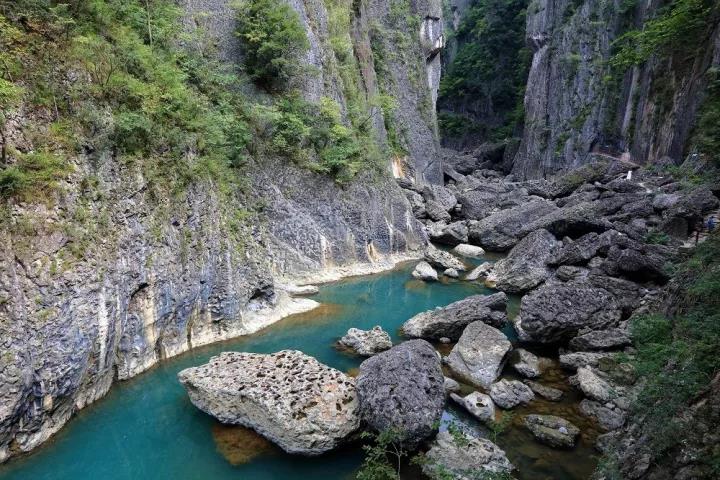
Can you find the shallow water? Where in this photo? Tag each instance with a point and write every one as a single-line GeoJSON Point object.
{"type": "Point", "coordinates": [147, 428]}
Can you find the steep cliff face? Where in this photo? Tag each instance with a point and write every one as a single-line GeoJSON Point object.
{"type": "Point", "coordinates": [114, 273]}
{"type": "Point", "coordinates": [576, 108]}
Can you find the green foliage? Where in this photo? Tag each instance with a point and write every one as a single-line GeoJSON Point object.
{"type": "Point", "coordinates": [679, 27]}
{"type": "Point", "coordinates": [706, 135]}
{"type": "Point", "coordinates": [656, 237]}
{"type": "Point", "coordinates": [383, 456]}
{"type": "Point", "coordinates": [273, 38]}
{"type": "Point", "coordinates": [32, 176]}
{"type": "Point", "coordinates": [677, 356]}
{"type": "Point", "coordinates": [491, 63]}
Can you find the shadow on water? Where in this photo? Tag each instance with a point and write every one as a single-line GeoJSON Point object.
{"type": "Point", "coordinates": [147, 428]}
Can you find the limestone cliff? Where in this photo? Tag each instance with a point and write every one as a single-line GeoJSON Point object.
{"type": "Point", "coordinates": [115, 273]}
{"type": "Point", "coordinates": [575, 110]}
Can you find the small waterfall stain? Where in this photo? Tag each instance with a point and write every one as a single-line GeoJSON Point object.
{"type": "Point", "coordinates": [240, 445]}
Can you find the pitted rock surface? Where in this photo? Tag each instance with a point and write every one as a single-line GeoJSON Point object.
{"type": "Point", "coordinates": [510, 393]}
{"type": "Point", "coordinates": [366, 342]}
{"type": "Point", "coordinates": [288, 397]}
{"type": "Point", "coordinates": [463, 460]}
{"type": "Point", "coordinates": [403, 389]}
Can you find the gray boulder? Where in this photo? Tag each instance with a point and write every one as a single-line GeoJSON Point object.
{"type": "Point", "coordinates": [611, 338]}
{"type": "Point", "coordinates": [417, 204]}
{"type": "Point", "coordinates": [403, 389]}
{"type": "Point", "coordinates": [366, 342]}
{"type": "Point", "coordinates": [436, 212]}
{"type": "Point", "coordinates": [548, 393]}
{"type": "Point", "coordinates": [525, 267]}
{"type": "Point", "coordinates": [510, 393]}
{"type": "Point", "coordinates": [453, 234]}
{"type": "Point", "coordinates": [552, 430]}
{"type": "Point", "coordinates": [575, 360]}
{"type": "Point", "coordinates": [450, 321]}
{"type": "Point", "coordinates": [288, 397]}
{"type": "Point", "coordinates": [608, 415]}
{"type": "Point", "coordinates": [441, 259]}
{"type": "Point", "coordinates": [467, 250]}
{"type": "Point", "coordinates": [425, 271]}
{"type": "Point", "coordinates": [479, 355]}
{"type": "Point", "coordinates": [480, 271]}
{"type": "Point", "coordinates": [468, 458]}
{"type": "Point", "coordinates": [442, 196]}
{"type": "Point", "coordinates": [502, 230]}
{"type": "Point", "coordinates": [451, 386]}
{"type": "Point", "coordinates": [478, 404]}
{"type": "Point", "coordinates": [557, 311]}
{"type": "Point", "coordinates": [526, 363]}
{"type": "Point", "coordinates": [593, 386]}
{"type": "Point", "coordinates": [451, 273]}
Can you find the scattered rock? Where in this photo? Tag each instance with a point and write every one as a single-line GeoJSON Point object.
{"type": "Point", "coordinates": [367, 342]}
{"type": "Point", "coordinates": [480, 271]}
{"type": "Point", "coordinates": [463, 460]}
{"type": "Point", "coordinates": [525, 267]}
{"type": "Point", "coordinates": [552, 430]}
{"type": "Point", "coordinates": [441, 259]}
{"type": "Point", "coordinates": [436, 212]}
{"type": "Point", "coordinates": [444, 340]}
{"type": "Point", "coordinates": [467, 250]}
{"type": "Point", "coordinates": [479, 355]}
{"type": "Point", "coordinates": [453, 234]}
{"type": "Point", "coordinates": [441, 195]}
{"type": "Point", "coordinates": [288, 397]}
{"type": "Point", "coordinates": [608, 415]}
{"type": "Point", "coordinates": [451, 386]}
{"type": "Point", "coordinates": [575, 360]}
{"type": "Point", "coordinates": [451, 272]}
{"type": "Point", "coordinates": [404, 389]}
{"type": "Point", "coordinates": [593, 386]}
{"type": "Point", "coordinates": [424, 271]}
{"type": "Point", "coordinates": [548, 393]}
{"type": "Point", "coordinates": [526, 364]}
{"type": "Point", "coordinates": [608, 339]}
{"type": "Point", "coordinates": [478, 404]}
{"type": "Point", "coordinates": [510, 393]}
{"type": "Point", "coordinates": [450, 321]}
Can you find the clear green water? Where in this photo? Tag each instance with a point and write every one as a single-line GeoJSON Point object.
{"type": "Point", "coordinates": [146, 428]}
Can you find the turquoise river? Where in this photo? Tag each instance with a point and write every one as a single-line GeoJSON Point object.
{"type": "Point", "coordinates": [146, 428]}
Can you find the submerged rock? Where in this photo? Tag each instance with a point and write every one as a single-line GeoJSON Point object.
{"type": "Point", "coordinates": [450, 321]}
{"type": "Point", "coordinates": [479, 355]}
{"type": "Point", "coordinates": [425, 271]}
{"type": "Point", "coordinates": [478, 404]}
{"type": "Point", "coordinates": [552, 430]}
{"type": "Point", "coordinates": [366, 342]}
{"type": "Point", "coordinates": [548, 393]}
{"type": "Point", "coordinates": [526, 363]}
{"type": "Point", "coordinates": [403, 389]}
{"type": "Point", "coordinates": [288, 397]}
{"type": "Point", "coordinates": [441, 259]}
{"type": "Point", "coordinates": [510, 393]}
{"type": "Point", "coordinates": [467, 459]}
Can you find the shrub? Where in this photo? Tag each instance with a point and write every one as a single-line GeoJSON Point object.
{"type": "Point", "coordinates": [273, 39]}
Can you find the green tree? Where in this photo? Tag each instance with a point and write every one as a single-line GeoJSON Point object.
{"type": "Point", "coordinates": [274, 40]}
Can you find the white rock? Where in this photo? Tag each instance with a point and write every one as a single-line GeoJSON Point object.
{"type": "Point", "coordinates": [478, 404]}
{"type": "Point", "coordinates": [424, 271]}
{"type": "Point", "coordinates": [479, 271]}
{"type": "Point", "coordinates": [479, 355]}
{"type": "Point", "coordinates": [451, 272]}
{"type": "Point", "coordinates": [467, 250]}
{"type": "Point", "coordinates": [366, 342]}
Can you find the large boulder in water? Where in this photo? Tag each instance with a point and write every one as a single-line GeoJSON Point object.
{"type": "Point", "coordinates": [464, 459]}
{"type": "Point", "coordinates": [479, 355]}
{"type": "Point", "coordinates": [525, 267]}
{"type": "Point", "coordinates": [403, 389]}
{"type": "Point", "coordinates": [288, 397]}
{"type": "Point", "coordinates": [510, 393]}
{"type": "Point", "coordinates": [425, 271]}
{"type": "Point", "coordinates": [450, 321]}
